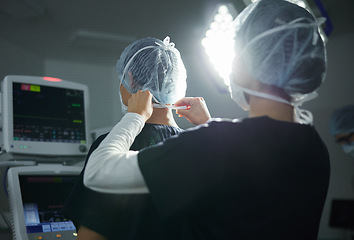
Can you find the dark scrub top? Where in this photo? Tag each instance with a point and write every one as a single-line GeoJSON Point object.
{"type": "Point", "coordinates": [253, 179]}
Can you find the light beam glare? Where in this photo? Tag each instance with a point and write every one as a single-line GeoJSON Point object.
{"type": "Point", "coordinates": [219, 43]}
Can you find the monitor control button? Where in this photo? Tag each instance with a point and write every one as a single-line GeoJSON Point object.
{"type": "Point", "coordinates": [83, 148]}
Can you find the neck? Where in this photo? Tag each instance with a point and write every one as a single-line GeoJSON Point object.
{"type": "Point", "coordinates": [265, 107]}
{"type": "Point", "coordinates": [276, 110]}
{"type": "Point", "coordinates": [162, 116]}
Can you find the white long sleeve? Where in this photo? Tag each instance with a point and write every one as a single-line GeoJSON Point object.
{"type": "Point", "coordinates": [112, 168]}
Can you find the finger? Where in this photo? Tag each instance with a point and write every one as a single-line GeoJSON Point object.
{"type": "Point", "coordinates": [184, 101]}
{"type": "Point", "coordinates": [148, 93]}
{"type": "Point", "coordinates": [183, 113]}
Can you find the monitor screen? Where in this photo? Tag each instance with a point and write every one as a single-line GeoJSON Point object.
{"type": "Point", "coordinates": [43, 197]}
{"type": "Point", "coordinates": [57, 115]}
{"type": "Point", "coordinates": [45, 117]}
{"type": "Point", "coordinates": [37, 196]}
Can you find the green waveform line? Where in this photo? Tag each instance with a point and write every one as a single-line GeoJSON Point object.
{"type": "Point", "coordinates": [43, 118]}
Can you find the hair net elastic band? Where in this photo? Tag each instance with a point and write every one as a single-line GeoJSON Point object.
{"type": "Point", "coordinates": [299, 99]}
{"type": "Point", "coordinates": [158, 104]}
{"type": "Point", "coordinates": [301, 115]}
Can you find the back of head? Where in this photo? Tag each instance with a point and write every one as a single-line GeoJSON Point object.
{"type": "Point", "coordinates": [280, 45]}
{"type": "Point", "coordinates": [342, 120]}
{"type": "Point", "coordinates": [154, 65]}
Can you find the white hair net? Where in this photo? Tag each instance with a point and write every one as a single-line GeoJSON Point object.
{"type": "Point", "coordinates": [342, 120]}
{"type": "Point", "coordinates": [154, 65]}
{"type": "Point", "coordinates": [280, 45]}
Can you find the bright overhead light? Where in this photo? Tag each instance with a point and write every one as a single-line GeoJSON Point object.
{"type": "Point", "coordinates": [219, 41]}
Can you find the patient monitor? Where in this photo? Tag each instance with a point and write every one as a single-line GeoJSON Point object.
{"type": "Point", "coordinates": [44, 116]}
{"type": "Point", "coordinates": [44, 120]}
{"type": "Point", "coordinates": [37, 195]}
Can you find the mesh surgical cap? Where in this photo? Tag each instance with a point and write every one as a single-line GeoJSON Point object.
{"type": "Point", "coordinates": [280, 45]}
{"type": "Point", "coordinates": [342, 120]}
{"type": "Point", "coordinates": [154, 65]}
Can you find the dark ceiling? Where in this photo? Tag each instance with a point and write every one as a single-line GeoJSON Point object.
{"type": "Point", "coordinates": [98, 30]}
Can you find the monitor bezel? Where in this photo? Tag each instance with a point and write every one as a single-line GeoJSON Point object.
{"type": "Point", "coordinates": [14, 191]}
{"type": "Point", "coordinates": [33, 147]}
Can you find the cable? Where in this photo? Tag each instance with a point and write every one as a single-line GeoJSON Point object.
{"type": "Point", "coordinates": [7, 194]}
{"type": "Point", "coordinates": [8, 223]}
{"type": "Point", "coordinates": [4, 182]}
